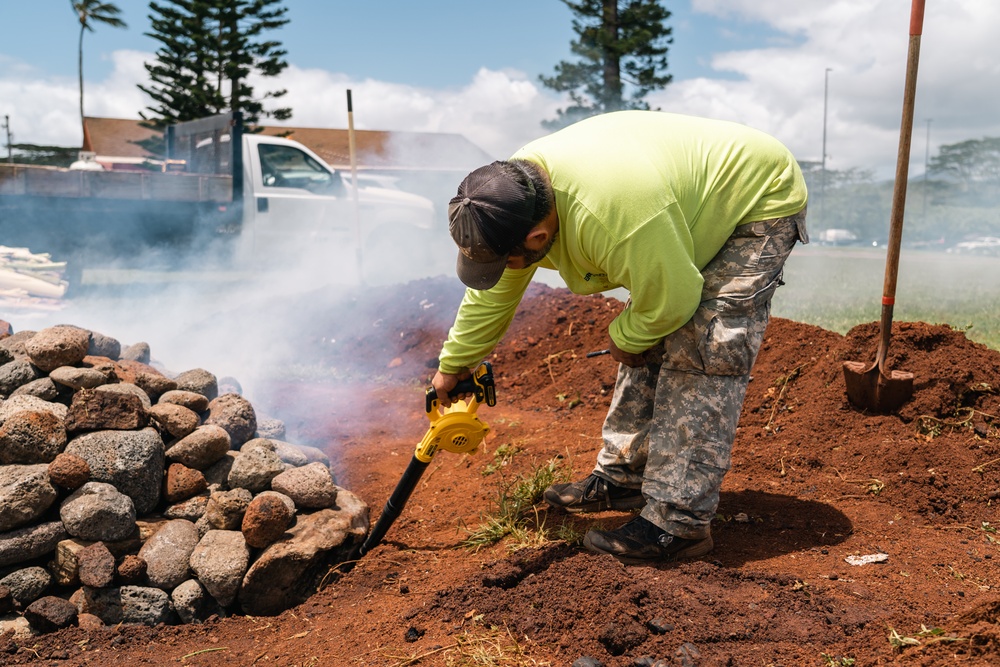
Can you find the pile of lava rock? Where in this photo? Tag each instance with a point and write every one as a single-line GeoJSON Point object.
{"type": "Point", "coordinates": [134, 495]}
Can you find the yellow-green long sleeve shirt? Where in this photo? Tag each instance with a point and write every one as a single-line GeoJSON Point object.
{"type": "Point", "coordinates": [644, 201]}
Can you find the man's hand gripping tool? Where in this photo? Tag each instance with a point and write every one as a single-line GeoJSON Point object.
{"type": "Point", "coordinates": [457, 430]}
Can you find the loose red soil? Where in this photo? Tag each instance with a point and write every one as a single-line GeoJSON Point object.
{"type": "Point", "coordinates": [813, 481]}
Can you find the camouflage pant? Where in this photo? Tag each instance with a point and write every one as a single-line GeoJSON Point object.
{"type": "Point", "coordinates": [672, 422]}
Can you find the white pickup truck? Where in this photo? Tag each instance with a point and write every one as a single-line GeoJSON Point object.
{"type": "Point", "coordinates": [273, 202]}
{"type": "Point", "coordinates": [295, 198]}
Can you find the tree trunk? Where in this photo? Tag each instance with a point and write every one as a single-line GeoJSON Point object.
{"type": "Point", "coordinates": [80, 72]}
{"type": "Point", "coordinates": [612, 61]}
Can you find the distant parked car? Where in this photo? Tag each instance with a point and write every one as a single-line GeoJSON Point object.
{"type": "Point", "coordinates": [980, 245]}
{"type": "Point", "coordinates": [837, 237]}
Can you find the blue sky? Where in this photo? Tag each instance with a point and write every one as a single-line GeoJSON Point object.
{"type": "Point", "coordinates": [427, 43]}
{"type": "Point", "coordinates": [472, 67]}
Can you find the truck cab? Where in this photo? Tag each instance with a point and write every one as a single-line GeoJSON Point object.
{"type": "Point", "coordinates": [296, 205]}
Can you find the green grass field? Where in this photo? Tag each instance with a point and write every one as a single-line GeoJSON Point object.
{"type": "Point", "coordinates": [837, 288]}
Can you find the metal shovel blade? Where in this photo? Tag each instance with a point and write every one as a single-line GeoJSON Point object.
{"type": "Point", "coordinates": [870, 389]}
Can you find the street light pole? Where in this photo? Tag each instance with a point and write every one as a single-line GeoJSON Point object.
{"type": "Point", "coordinates": [10, 140]}
{"type": "Point", "coordinates": [822, 175]}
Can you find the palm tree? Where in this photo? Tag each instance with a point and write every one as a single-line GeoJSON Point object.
{"type": "Point", "coordinates": [90, 12]}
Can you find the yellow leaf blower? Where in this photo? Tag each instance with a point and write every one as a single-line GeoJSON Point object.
{"type": "Point", "coordinates": [457, 430]}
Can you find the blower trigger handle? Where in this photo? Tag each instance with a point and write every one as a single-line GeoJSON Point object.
{"type": "Point", "coordinates": [480, 384]}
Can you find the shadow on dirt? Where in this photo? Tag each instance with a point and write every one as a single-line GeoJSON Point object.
{"type": "Point", "coordinates": [753, 525]}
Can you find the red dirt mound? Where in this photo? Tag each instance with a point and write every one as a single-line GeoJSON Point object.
{"type": "Point", "coordinates": [813, 482]}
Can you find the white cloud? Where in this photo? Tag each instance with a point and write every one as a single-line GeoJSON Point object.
{"type": "Point", "coordinates": [865, 44]}
{"type": "Point", "coordinates": [498, 111]}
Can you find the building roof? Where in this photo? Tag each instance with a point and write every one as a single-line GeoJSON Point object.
{"type": "Point", "coordinates": [375, 149]}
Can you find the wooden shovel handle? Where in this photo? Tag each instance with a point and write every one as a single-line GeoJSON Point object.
{"type": "Point", "coordinates": [899, 185]}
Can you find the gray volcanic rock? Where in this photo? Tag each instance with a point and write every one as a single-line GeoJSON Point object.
{"type": "Point", "coordinates": [217, 474]}
{"type": "Point", "coordinates": [79, 415]}
{"type": "Point", "coordinates": [310, 486]}
{"type": "Point", "coordinates": [78, 378]}
{"type": "Point", "coordinates": [199, 381]}
{"type": "Point", "coordinates": [220, 560]}
{"type": "Point", "coordinates": [43, 388]}
{"type": "Point", "coordinates": [167, 553]}
{"type": "Point", "coordinates": [30, 542]}
{"type": "Point", "coordinates": [291, 454]}
{"type": "Point", "coordinates": [193, 603]}
{"type": "Point", "coordinates": [98, 511]}
{"type": "Point", "coordinates": [27, 584]}
{"type": "Point", "coordinates": [25, 494]}
{"type": "Point", "coordinates": [15, 374]}
{"type": "Point", "coordinates": [145, 605]}
{"type": "Point", "coordinates": [137, 352]}
{"type": "Point", "coordinates": [128, 604]}
{"type": "Point", "coordinates": [131, 460]}
{"type": "Point", "coordinates": [203, 447]}
{"type": "Point", "coordinates": [271, 428]}
{"type": "Point", "coordinates": [58, 346]}
{"type": "Point", "coordinates": [104, 346]}
{"type": "Point", "coordinates": [235, 414]}
{"type": "Point", "coordinates": [255, 466]}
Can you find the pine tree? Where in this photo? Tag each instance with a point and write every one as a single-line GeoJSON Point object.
{"type": "Point", "coordinates": [209, 48]}
{"type": "Point", "coordinates": [241, 50]}
{"type": "Point", "coordinates": [622, 45]}
{"type": "Point", "coordinates": [181, 83]}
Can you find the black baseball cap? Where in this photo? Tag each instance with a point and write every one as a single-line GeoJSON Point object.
{"type": "Point", "coordinates": [491, 215]}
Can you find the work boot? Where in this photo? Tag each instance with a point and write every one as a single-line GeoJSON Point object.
{"type": "Point", "coordinates": [642, 541]}
{"type": "Point", "coordinates": [594, 494]}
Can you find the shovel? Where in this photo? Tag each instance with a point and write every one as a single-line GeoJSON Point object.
{"type": "Point", "coordinates": [874, 388]}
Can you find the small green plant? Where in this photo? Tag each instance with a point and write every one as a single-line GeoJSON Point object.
{"type": "Point", "coordinates": [570, 401]}
{"type": "Point", "coordinates": [990, 531]}
{"type": "Point", "coordinates": [831, 661]}
{"type": "Point", "coordinates": [569, 533]}
{"type": "Point", "coordinates": [515, 506]}
{"type": "Point", "coordinates": [502, 456]}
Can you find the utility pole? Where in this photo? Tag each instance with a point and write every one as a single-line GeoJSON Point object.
{"type": "Point", "coordinates": [10, 139]}
{"type": "Point", "coordinates": [927, 162]}
{"type": "Point", "coordinates": [822, 175]}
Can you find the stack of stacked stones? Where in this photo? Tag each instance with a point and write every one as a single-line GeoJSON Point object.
{"type": "Point", "coordinates": [129, 494]}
